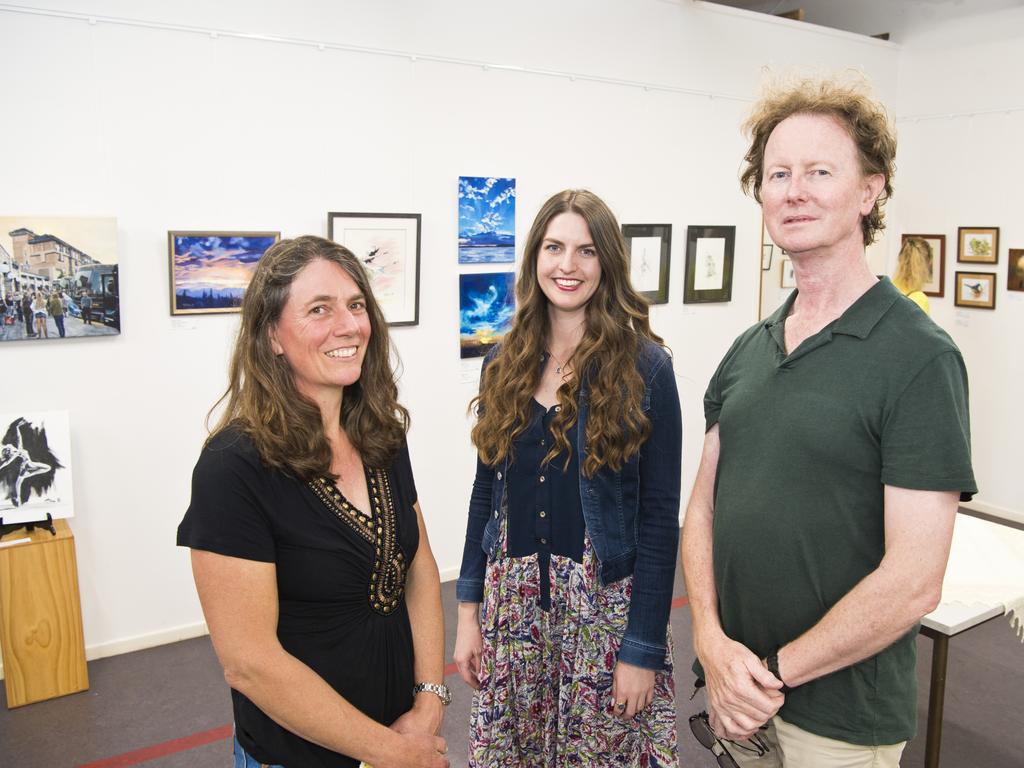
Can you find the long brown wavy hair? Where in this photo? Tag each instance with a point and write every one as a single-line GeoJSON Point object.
{"type": "Point", "coordinates": [616, 322]}
{"type": "Point", "coordinates": [262, 399]}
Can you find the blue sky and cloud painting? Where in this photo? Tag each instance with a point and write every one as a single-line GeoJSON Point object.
{"type": "Point", "coordinates": [487, 304]}
{"type": "Point", "coordinates": [211, 272]}
{"type": "Point", "coordinates": [487, 220]}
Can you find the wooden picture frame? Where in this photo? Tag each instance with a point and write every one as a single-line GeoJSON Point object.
{"type": "Point", "coordinates": [709, 263]}
{"type": "Point", "coordinates": [210, 270]}
{"type": "Point", "coordinates": [787, 277]}
{"type": "Point", "coordinates": [388, 246]}
{"type": "Point", "coordinates": [936, 285]}
{"type": "Point", "coordinates": [975, 289]}
{"type": "Point", "coordinates": [978, 245]}
{"type": "Point", "coordinates": [1015, 271]}
{"type": "Point", "coordinates": [645, 245]}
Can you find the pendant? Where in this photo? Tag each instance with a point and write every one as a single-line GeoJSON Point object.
{"type": "Point", "coordinates": [558, 369]}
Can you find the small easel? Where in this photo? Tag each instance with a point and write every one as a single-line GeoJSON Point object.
{"type": "Point", "coordinates": [40, 612]}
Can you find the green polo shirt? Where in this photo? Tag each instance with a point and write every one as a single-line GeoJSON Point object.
{"type": "Point", "coordinates": [808, 440]}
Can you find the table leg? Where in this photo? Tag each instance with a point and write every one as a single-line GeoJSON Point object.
{"type": "Point", "coordinates": [936, 698]}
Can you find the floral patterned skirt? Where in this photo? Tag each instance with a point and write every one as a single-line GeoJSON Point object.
{"type": "Point", "coordinates": [546, 676]}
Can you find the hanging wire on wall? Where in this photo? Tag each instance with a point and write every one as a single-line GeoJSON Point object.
{"type": "Point", "coordinates": [411, 56]}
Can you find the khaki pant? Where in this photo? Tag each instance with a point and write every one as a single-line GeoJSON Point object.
{"type": "Point", "coordinates": [793, 747]}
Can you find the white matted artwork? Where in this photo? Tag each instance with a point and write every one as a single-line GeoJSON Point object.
{"type": "Point", "coordinates": [788, 274]}
{"type": "Point", "coordinates": [645, 262]}
{"type": "Point", "coordinates": [709, 273]}
{"type": "Point", "coordinates": [35, 467]}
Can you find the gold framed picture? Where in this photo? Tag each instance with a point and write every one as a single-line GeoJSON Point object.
{"type": "Point", "coordinates": [975, 289]}
{"type": "Point", "coordinates": [978, 245]}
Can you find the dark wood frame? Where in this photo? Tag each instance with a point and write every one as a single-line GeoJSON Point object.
{"type": "Point", "coordinates": [978, 305]}
{"type": "Point", "coordinates": [1012, 256]}
{"type": "Point", "coordinates": [332, 215]}
{"type": "Point", "coordinates": [962, 232]}
{"type": "Point", "coordinates": [664, 231]}
{"type": "Point", "coordinates": [941, 258]}
{"type": "Point", "coordinates": [171, 234]}
{"type": "Point", "coordinates": [693, 233]}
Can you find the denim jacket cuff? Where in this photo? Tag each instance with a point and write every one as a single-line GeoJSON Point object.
{"type": "Point", "coordinates": [642, 655]}
{"type": "Point", "coordinates": [469, 591]}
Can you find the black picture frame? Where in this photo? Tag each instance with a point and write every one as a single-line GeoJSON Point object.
{"type": "Point", "coordinates": [641, 281]}
{"type": "Point", "coordinates": [718, 272]}
{"type": "Point", "coordinates": [366, 234]}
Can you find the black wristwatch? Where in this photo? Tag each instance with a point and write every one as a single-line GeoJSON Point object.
{"type": "Point", "coordinates": [772, 662]}
{"type": "Point", "coordinates": [438, 689]}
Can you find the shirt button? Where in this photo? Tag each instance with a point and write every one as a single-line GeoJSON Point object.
{"type": "Point", "coordinates": [499, 475]}
{"type": "Point", "coordinates": [542, 478]}
{"type": "Point", "coordinates": [495, 513]}
{"type": "Point", "coordinates": [558, 409]}
{"type": "Point", "coordinates": [543, 541]}
{"type": "Point", "coordinates": [543, 513]}
{"type": "Point", "coordinates": [542, 442]}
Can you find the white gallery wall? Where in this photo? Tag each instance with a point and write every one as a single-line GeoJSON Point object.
{"type": "Point", "coordinates": [167, 126]}
{"type": "Point", "coordinates": [960, 165]}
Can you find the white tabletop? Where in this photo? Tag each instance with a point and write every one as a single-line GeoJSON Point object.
{"type": "Point", "coordinates": [953, 618]}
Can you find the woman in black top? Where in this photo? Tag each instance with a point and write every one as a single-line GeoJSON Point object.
{"type": "Point", "coordinates": [308, 547]}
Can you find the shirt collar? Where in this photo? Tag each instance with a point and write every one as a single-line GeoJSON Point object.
{"type": "Point", "coordinates": [859, 319]}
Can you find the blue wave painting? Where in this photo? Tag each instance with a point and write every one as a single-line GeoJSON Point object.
{"type": "Point", "coordinates": [487, 220]}
{"type": "Point", "coordinates": [487, 303]}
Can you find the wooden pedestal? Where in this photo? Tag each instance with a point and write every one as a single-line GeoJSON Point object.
{"type": "Point", "coordinates": [41, 617]}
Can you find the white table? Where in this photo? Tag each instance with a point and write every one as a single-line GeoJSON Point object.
{"type": "Point", "coordinates": [944, 622]}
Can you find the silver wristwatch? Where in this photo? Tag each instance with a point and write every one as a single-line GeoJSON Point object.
{"type": "Point", "coordinates": [438, 689]}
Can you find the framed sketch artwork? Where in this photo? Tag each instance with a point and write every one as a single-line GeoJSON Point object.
{"type": "Point", "coordinates": [975, 289]}
{"type": "Point", "coordinates": [388, 245]}
{"type": "Point", "coordinates": [211, 270]}
{"type": "Point", "coordinates": [709, 257]}
{"type": "Point", "coordinates": [1015, 278]}
{"type": "Point", "coordinates": [649, 247]}
{"type": "Point", "coordinates": [978, 245]}
{"type": "Point", "coordinates": [936, 283]}
{"type": "Point", "coordinates": [788, 278]}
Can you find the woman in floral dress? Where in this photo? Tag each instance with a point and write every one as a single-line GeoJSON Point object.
{"type": "Point", "coordinates": [567, 573]}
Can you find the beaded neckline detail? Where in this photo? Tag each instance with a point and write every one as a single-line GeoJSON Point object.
{"type": "Point", "coordinates": [387, 581]}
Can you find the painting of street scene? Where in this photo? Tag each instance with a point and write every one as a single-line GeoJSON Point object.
{"type": "Point", "coordinates": [58, 278]}
{"type": "Point", "coordinates": [487, 304]}
{"type": "Point", "coordinates": [35, 467]}
{"type": "Point", "coordinates": [211, 270]}
{"type": "Point", "coordinates": [487, 220]}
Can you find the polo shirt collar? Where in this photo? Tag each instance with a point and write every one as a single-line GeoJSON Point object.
{"type": "Point", "coordinates": [861, 317]}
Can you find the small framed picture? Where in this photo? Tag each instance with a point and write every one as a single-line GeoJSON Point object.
{"type": "Point", "coordinates": [709, 258]}
{"type": "Point", "coordinates": [388, 245]}
{"type": "Point", "coordinates": [788, 278]}
{"type": "Point", "coordinates": [649, 247]}
{"type": "Point", "coordinates": [936, 283]}
{"type": "Point", "coordinates": [1015, 280]}
{"type": "Point", "coordinates": [211, 270]}
{"type": "Point", "coordinates": [978, 245]}
{"type": "Point", "coordinates": [975, 289]}
{"type": "Point", "coordinates": [767, 251]}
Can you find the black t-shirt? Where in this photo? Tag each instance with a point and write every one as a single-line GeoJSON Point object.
{"type": "Point", "coordinates": [349, 628]}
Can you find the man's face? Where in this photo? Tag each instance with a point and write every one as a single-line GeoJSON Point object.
{"type": "Point", "coordinates": [813, 192]}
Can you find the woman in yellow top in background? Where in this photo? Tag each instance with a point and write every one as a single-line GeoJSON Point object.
{"type": "Point", "coordinates": [913, 270]}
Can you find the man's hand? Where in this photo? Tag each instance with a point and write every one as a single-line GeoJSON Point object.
{"type": "Point", "coordinates": [742, 693]}
{"type": "Point", "coordinates": [416, 751]}
{"type": "Point", "coordinates": [469, 644]}
{"type": "Point", "coordinates": [426, 716]}
{"type": "Point", "coordinates": [632, 689]}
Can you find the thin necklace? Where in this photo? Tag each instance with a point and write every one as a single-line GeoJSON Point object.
{"type": "Point", "coordinates": [560, 366]}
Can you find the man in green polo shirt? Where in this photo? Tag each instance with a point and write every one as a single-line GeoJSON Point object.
{"type": "Point", "coordinates": [837, 449]}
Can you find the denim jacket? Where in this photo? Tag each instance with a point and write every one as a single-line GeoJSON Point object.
{"type": "Point", "coordinates": [632, 515]}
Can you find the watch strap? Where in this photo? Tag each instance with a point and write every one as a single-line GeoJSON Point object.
{"type": "Point", "coordinates": [772, 662]}
{"type": "Point", "coordinates": [442, 691]}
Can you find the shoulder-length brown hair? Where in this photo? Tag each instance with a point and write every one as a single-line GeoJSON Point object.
{"type": "Point", "coordinates": [616, 322]}
{"type": "Point", "coordinates": [262, 399]}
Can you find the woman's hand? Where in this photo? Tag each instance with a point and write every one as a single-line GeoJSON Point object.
{"type": "Point", "coordinates": [426, 716]}
{"type": "Point", "coordinates": [632, 689]}
{"type": "Point", "coordinates": [469, 644]}
{"type": "Point", "coordinates": [416, 750]}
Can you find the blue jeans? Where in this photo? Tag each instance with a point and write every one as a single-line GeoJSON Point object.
{"type": "Point", "coordinates": [244, 760]}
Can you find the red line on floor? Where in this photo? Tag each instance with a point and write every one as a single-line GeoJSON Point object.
{"type": "Point", "coordinates": [162, 750]}
{"type": "Point", "coordinates": [173, 746]}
